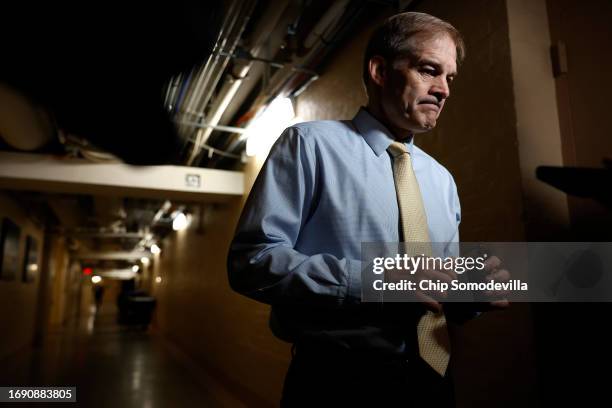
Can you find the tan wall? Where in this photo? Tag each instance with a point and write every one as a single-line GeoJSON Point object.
{"type": "Point", "coordinates": [338, 93]}
{"type": "Point", "coordinates": [225, 332]}
{"type": "Point", "coordinates": [56, 297]}
{"type": "Point", "coordinates": [18, 300]}
{"type": "Point", "coordinates": [59, 282]}
{"type": "Point", "coordinates": [72, 293]}
{"type": "Point", "coordinates": [146, 281]}
{"type": "Point", "coordinates": [538, 131]}
{"type": "Point", "coordinates": [476, 136]}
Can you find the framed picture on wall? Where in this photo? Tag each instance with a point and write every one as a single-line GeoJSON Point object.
{"type": "Point", "coordinates": [9, 249]}
{"type": "Point", "coordinates": [30, 262]}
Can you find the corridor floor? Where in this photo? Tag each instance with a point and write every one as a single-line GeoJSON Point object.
{"type": "Point", "coordinates": [111, 366]}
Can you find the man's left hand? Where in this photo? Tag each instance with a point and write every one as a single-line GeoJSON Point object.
{"type": "Point", "coordinates": [495, 272]}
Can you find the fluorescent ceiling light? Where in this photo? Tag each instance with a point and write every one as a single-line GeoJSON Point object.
{"type": "Point", "coordinates": [180, 222]}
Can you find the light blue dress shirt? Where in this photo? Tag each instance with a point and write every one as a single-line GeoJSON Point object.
{"type": "Point", "coordinates": [326, 187]}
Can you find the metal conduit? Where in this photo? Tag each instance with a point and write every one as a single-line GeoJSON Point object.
{"type": "Point", "coordinates": [232, 42]}
{"type": "Point", "coordinates": [194, 92]}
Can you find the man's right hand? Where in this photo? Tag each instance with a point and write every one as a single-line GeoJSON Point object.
{"type": "Point", "coordinates": [430, 298]}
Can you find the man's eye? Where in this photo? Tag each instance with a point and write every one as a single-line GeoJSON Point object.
{"type": "Point", "coordinates": [428, 71]}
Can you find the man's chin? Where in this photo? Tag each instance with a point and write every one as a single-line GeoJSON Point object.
{"type": "Point", "coordinates": [424, 127]}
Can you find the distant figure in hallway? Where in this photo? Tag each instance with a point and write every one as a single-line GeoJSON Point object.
{"type": "Point", "coordinates": [329, 186]}
{"type": "Point", "coordinates": [98, 296]}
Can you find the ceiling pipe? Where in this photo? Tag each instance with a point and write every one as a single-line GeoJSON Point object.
{"type": "Point", "coordinates": [317, 41]}
{"type": "Point", "coordinates": [184, 105]}
{"type": "Point", "coordinates": [194, 92]}
{"type": "Point", "coordinates": [202, 102]}
{"type": "Point", "coordinates": [330, 19]}
{"type": "Point", "coordinates": [233, 82]}
{"type": "Point", "coordinates": [172, 92]}
{"type": "Point", "coordinates": [232, 43]}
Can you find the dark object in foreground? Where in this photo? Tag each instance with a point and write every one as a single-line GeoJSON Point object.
{"type": "Point", "coordinates": [136, 309]}
{"type": "Point", "coordinates": [580, 181]}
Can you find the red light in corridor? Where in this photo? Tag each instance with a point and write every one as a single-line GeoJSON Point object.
{"type": "Point", "coordinates": [87, 271]}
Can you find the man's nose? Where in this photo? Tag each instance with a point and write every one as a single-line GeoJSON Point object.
{"type": "Point", "coordinates": [440, 89]}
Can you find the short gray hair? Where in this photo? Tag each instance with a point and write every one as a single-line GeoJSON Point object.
{"type": "Point", "coordinates": [392, 39]}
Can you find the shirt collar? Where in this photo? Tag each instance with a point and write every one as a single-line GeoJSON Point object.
{"type": "Point", "coordinates": [376, 135]}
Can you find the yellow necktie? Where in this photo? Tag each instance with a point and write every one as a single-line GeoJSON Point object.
{"type": "Point", "coordinates": [434, 344]}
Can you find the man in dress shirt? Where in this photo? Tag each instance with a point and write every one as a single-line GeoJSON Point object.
{"type": "Point", "coordinates": [328, 186]}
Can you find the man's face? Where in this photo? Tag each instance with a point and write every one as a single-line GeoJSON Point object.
{"type": "Point", "coordinates": [414, 90]}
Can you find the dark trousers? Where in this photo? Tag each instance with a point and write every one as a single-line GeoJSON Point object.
{"type": "Point", "coordinates": [322, 377]}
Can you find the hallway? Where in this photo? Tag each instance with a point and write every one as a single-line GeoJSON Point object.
{"type": "Point", "coordinates": [113, 365]}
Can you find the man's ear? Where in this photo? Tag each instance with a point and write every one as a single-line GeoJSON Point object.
{"type": "Point", "coordinates": [377, 67]}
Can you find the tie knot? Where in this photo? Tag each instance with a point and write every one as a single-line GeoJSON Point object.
{"type": "Point", "coordinates": [397, 149]}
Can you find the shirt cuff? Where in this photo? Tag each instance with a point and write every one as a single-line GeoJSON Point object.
{"type": "Point", "coordinates": [353, 280]}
